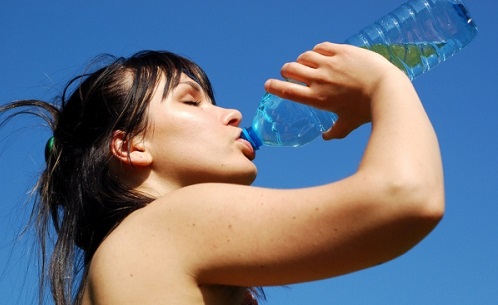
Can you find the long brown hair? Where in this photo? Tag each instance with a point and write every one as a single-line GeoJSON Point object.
{"type": "Point", "coordinates": [76, 194]}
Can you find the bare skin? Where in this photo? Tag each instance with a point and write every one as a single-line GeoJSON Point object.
{"type": "Point", "coordinates": [209, 234]}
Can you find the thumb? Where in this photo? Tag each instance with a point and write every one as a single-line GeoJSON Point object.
{"type": "Point", "coordinates": [337, 131]}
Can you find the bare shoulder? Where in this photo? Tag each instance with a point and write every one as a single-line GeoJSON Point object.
{"type": "Point", "coordinates": [141, 263]}
{"type": "Point", "coordinates": [136, 264]}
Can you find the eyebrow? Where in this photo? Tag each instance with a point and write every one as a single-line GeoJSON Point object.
{"type": "Point", "coordinates": [197, 88]}
{"type": "Point", "coordinates": [192, 84]}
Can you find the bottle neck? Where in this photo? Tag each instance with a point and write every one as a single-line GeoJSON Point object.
{"type": "Point", "coordinates": [252, 137]}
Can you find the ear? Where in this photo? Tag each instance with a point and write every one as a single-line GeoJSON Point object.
{"type": "Point", "coordinates": [130, 151]}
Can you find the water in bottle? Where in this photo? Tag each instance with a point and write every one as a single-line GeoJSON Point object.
{"type": "Point", "coordinates": [415, 37]}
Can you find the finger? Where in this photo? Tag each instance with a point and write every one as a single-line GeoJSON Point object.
{"type": "Point", "coordinates": [310, 58]}
{"type": "Point", "coordinates": [298, 72]}
{"type": "Point", "coordinates": [327, 48]}
{"type": "Point", "coordinates": [287, 90]}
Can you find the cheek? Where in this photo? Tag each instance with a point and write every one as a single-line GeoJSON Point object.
{"type": "Point", "coordinates": [182, 134]}
{"type": "Point", "coordinates": [170, 128]}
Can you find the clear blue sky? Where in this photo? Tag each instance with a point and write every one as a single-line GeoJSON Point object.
{"type": "Point", "coordinates": [240, 44]}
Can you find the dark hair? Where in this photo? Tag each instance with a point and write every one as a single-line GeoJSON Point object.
{"type": "Point", "coordinates": [76, 192]}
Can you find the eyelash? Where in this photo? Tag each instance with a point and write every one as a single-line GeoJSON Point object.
{"type": "Point", "coordinates": [192, 103]}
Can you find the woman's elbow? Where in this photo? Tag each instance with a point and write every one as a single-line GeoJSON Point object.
{"type": "Point", "coordinates": [421, 199]}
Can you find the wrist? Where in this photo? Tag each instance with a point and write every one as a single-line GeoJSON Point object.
{"type": "Point", "coordinates": [392, 91]}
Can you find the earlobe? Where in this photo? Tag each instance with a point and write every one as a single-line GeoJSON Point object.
{"type": "Point", "coordinates": [130, 151]}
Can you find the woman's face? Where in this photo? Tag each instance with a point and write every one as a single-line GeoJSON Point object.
{"type": "Point", "coordinates": [193, 141]}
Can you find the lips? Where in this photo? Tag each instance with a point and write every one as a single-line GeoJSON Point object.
{"type": "Point", "coordinates": [247, 150]}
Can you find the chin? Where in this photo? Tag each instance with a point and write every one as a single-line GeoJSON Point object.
{"type": "Point", "coordinates": [244, 178]}
{"type": "Point", "coordinates": [251, 179]}
{"type": "Point", "coordinates": [252, 176]}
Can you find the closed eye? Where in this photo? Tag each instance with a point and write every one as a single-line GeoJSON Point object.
{"type": "Point", "coordinates": [192, 103]}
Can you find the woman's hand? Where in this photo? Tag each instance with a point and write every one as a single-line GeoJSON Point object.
{"type": "Point", "coordinates": [339, 78]}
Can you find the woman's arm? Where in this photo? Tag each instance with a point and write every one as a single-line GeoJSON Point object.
{"type": "Point", "coordinates": [248, 236]}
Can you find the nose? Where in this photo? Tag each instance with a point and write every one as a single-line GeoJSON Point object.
{"type": "Point", "coordinates": [231, 117]}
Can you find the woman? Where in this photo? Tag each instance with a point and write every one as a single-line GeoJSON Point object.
{"type": "Point", "coordinates": [147, 183]}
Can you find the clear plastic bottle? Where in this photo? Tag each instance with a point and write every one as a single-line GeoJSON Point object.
{"type": "Point", "coordinates": [415, 37]}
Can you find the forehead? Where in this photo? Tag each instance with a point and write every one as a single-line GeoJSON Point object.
{"type": "Point", "coordinates": [190, 75]}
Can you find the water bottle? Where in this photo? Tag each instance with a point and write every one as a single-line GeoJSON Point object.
{"type": "Point", "coordinates": [415, 37]}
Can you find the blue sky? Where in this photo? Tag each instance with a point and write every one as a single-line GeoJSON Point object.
{"type": "Point", "coordinates": [240, 44]}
